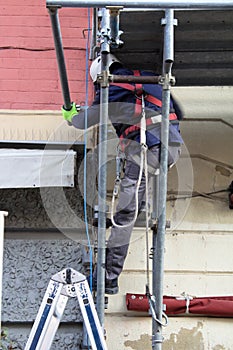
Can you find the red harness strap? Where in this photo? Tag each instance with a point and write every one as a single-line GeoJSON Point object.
{"type": "Point", "coordinates": [136, 127]}
{"type": "Point", "coordinates": [138, 94]}
{"type": "Point", "coordinates": [153, 100]}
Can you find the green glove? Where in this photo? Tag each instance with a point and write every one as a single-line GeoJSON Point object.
{"type": "Point", "coordinates": [68, 115]}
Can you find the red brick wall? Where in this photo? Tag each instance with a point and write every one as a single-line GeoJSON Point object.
{"type": "Point", "coordinates": [29, 77]}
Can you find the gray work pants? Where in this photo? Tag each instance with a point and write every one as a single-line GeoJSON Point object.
{"type": "Point", "coordinates": [119, 239]}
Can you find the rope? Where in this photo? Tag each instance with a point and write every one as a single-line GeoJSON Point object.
{"type": "Point", "coordinates": [152, 304]}
{"type": "Point", "coordinates": [143, 163]}
{"type": "Point", "coordinates": [115, 192]}
{"type": "Point", "coordinates": [143, 143]}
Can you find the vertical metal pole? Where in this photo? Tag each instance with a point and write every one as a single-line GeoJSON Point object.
{"type": "Point", "coordinates": [160, 239]}
{"type": "Point", "coordinates": [2, 215]}
{"type": "Point", "coordinates": [115, 33]}
{"type": "Point", "coordinates": [60, 56]}
{"type": "Point", "coordinates": [155, 214]}
{"type": "Point", "coordinates": [102, 178]}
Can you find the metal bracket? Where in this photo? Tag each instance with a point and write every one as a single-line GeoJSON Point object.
{"type": "Point", "coordinates": [164, 22]}
{"type": "Point", "coordinates": [154, 227]}
{"type": "Point", "coordinates": [157, 339]}
{"type": "Point", "coordinates": [114, 10]}
{"type": "Point", "coordinates": [69, 291]}
{"type": "Point", "coordinates": [167, 81]}
{"type": "Point", "coordinates": [68, 276]}
{"type": "Point", "coordinates": [105, 32]}
{"type": "Point", "coordinates": [96, 217]}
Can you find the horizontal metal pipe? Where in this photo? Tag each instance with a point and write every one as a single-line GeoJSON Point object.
{"type": "Point", "coordinates": [60, 57]}
{"type": "Point", "coordinates": [162, 4]}
{"type": "Point", "coordinates": [135, 79]}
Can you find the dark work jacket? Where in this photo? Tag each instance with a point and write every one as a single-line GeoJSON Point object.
{"type": "Point", "coordinates": [122, 109]}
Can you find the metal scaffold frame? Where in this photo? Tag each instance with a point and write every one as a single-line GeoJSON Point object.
{"type": "Point", "coordinates": [162, 4]}
{"type": "Point", "coordinates": [167, 80]}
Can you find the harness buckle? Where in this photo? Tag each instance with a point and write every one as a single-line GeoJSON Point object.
{"type": "Point", "coordinates": [156, 119]}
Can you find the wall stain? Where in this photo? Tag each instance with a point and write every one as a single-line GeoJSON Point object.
{"type": "Point", "coordinates": [143, 343]}
{"type": "Point", "coordinates": [223, 171]}
{"type": "Point", "coordinates": [186, 339]}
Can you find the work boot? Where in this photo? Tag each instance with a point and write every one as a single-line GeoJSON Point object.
{"type": "Point", "coordinates": [111, 286]}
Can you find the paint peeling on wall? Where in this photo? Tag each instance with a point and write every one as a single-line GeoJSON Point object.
{"type": "Point", "coordinates": [143, 343]}
{"type": "Point", "coordinates": [186, 339]}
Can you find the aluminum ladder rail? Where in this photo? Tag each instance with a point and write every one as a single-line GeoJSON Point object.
{"type": "Point", "coordinates": [66, 283]}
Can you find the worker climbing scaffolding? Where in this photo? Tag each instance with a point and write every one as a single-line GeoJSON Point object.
{"type": "Point", "coordinates": [146, 119]}
{"type": "Point", "coordinates": [125, 114]}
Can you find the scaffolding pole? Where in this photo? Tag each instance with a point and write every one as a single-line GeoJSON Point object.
{"type": "Point", "coordinates": [148, 4]}
{"type": "Point", "coordinates": [102, 178]}
{"type": "Point", "coordinates": [168, 58]}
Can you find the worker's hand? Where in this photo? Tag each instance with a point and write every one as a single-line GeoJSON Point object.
{"type": "Point", "coordinates": [68, 115]}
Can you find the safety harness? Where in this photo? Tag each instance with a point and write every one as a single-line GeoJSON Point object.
{"type": "Point", "coordinates": [137, 90]}
{"type": "Point", "coordinates": [144, 120]}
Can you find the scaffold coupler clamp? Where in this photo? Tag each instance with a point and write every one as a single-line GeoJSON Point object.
{"type": "Point", "coordinates": [167, 80]}
{"type": "Point", "coordinates": [96, 217]}
{"type": "Point", "coordinates": [103, 78]}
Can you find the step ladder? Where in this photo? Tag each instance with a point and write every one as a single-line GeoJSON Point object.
{"type": "Point", "coordinates": [66, 283]}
